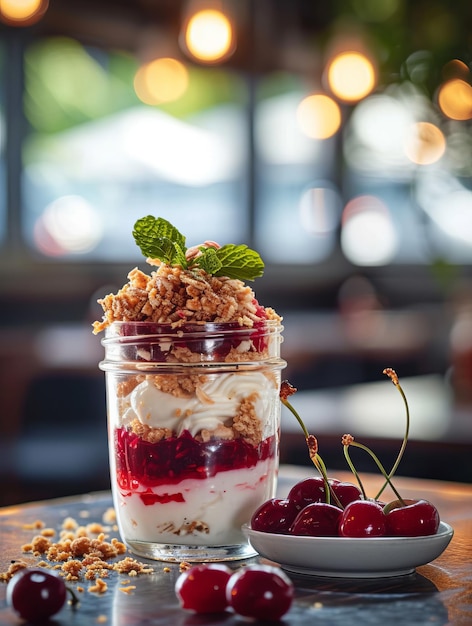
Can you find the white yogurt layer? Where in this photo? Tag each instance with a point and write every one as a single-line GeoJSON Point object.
{"type": "Point", "coordinates": [213, 404]}
{"type": "Point", "coordinates": [219, 505]}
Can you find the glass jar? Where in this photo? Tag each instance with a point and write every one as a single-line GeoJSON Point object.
{"type": "Point", "coordinates": [194, 425]}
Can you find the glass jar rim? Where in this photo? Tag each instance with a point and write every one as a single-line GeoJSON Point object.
{"type": "Point", "coordinates": [114, 331]}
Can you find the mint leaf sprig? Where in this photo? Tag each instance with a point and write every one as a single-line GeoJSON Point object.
{"type": "Point", "coordinates": [159, 239]}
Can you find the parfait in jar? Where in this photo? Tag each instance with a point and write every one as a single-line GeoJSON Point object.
{"type": "Point", "coordinates": [192, 364]}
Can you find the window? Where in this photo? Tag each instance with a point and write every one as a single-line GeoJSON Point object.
{"type": "Point", "coordinates": [97, 158]}
{"type": "Point", "coordinates": [297, 201]}
{"type": "Point", "coordinates": [233, 158]}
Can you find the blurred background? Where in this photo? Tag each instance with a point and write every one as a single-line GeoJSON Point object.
{"type": "Point", "coordinates": [333, 137]}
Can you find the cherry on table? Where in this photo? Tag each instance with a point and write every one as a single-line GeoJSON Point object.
{"type": "Point", "coordinates": [418, 518]}
{"type": "Point", "coordinates": [363, 518]}
{"type": "Point", "coordinates": [317, 520]}
{"type": "Point", "coordinates": [202, 588]}
{"type": "Point", "coordinates": [260, 591]}
{"type": "Point", "coordinates": [36, 594]}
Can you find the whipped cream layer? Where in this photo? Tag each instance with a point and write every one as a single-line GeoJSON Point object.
{"type": "Point", "coordinates": [196, 512]}
{"type": "Point", "coordinates": [213, 404]}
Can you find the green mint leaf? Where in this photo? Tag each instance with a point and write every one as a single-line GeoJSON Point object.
{"type": "Point", "coordinates": [209, 261]}
{"type": "Point", "coordinates": [239, 261]}
{"type": "Point", "coordinates": [179, 256]}
{"type": "Point", "coordinates": [158, 239]}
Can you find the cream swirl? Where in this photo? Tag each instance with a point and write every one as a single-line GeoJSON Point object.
{"type": "Point", "coordinates": [214, 403]}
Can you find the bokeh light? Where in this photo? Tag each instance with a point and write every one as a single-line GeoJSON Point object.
{"type": "Point", "coordinates": [162, 80]}
{"type": "Point", "coordinates": [380, 122]}
{"type": "Point", "coordinates": [425, 144]}
{"type": "Point", "coordinates": [368, 236]}
{"type": "Point", "coordinates": [351, 76]}
{"type": "Point", "coordinates": [456, 69]}
{"type": "Point", "coordinates": [452, 212]}
{"type": "Point", "coordinates": [209, 36]}
{"type": "Point", "coordinates": [455, 99]}
{"type": "Point", "coordinates": [22, 12]}
{"type": "Point", "coordinates": [68, 225]}
{"type": "Point", "coordinates": [319, 116]}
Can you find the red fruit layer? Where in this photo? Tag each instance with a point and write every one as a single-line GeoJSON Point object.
{"type": "Point", "coordinates": [169, 461]}
{"type": "Point", "coordinates": [214, 345]}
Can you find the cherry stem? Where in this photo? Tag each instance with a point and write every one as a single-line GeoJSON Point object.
{"type": "Point", "coordinates": [315, 457]}
{"type": "Point", "coordinates": [354, 471]}
{"type": "Point", "coordinates": [394, 378]}
{"type": "Point", "coordinates": [286, 403]}
{"type": "Point", "coordinates": [321, 467]}
{"type": "Point", "coordinates": [379, 465]}
{"type": "Point", "coordinates": [74, 600]}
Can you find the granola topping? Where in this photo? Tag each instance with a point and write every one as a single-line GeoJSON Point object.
{"type": "Point", "coordinates": [172, 295]}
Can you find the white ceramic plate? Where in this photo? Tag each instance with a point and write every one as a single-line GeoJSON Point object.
{"type": "Point", "coordinates": [347, 557]}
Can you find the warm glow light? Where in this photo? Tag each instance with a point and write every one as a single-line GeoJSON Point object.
{"type": "Point", "coordinates": [209, 36]}
{"type": "Point", "coordinates": [425, 144]}
{"type": "Point", "coordinates": [351, 76]}
{"type": "Point", "coordinates": [161, 80]}
{"type": "Point", "coordinates": [456, 69]}
{"type": "Point", "coordinates": [455, 99]}
{"type": "Point", "coordinates": [22, 12]}
{"type": "Point", "coordinates": [319, 116]}
{"type": "Point", "coordinates": [368, 235]}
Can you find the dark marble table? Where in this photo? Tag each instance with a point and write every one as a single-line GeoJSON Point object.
{"type": "Point", "coordinates": [439, 593]}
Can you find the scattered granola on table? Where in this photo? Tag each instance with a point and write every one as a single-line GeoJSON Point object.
{"type": "Point", "coordinates": [81, 553]}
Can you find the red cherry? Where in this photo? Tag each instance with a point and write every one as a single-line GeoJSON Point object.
{"type": "Point", "coordinates": [312, 490]}
{"type": "Point", "coordinates": [202, 588]}
{"type": "Point", "coordinates": [418, 518]}
{"type": "Point", "coordinates": [317, 520]}
{"type": "Point", "coordinates": [260, 591]}
{"type": "Point", "coordinates": [362, 518]}
{"type": "Point", "coordinates": [307, 491]}
{"type": "Point", "coordinates": [36, 594]}
{"type": "Point", "coordinates": [274, 516]}
{"type": "Point", "coordinates": [345, 492]}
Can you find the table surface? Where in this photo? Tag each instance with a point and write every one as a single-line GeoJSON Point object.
{"type": "Point", "coordinates": [439, 593]}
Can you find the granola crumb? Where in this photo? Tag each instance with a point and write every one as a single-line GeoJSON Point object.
{"type": "Point", "coordinates": [69, 524]}
{"type": "Point", "coordinates": [36, 525]}
{"type": "Point", "coordinates": [184, 566]}
{"type": "Point", "coordinates": [109, 517]}
{"type": "Point", "coordinates": [130, 566]}
{"type": "Point", "coordinates": [80, 553]}
{"type": "Point", "coordinates": [99, 587]}
{"type": "Point", "coordinates": [102, 619]}
{"type": "Point", "coordinates": [15, 566]}
{"type": "Point", "coordinates": [129, 589]}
